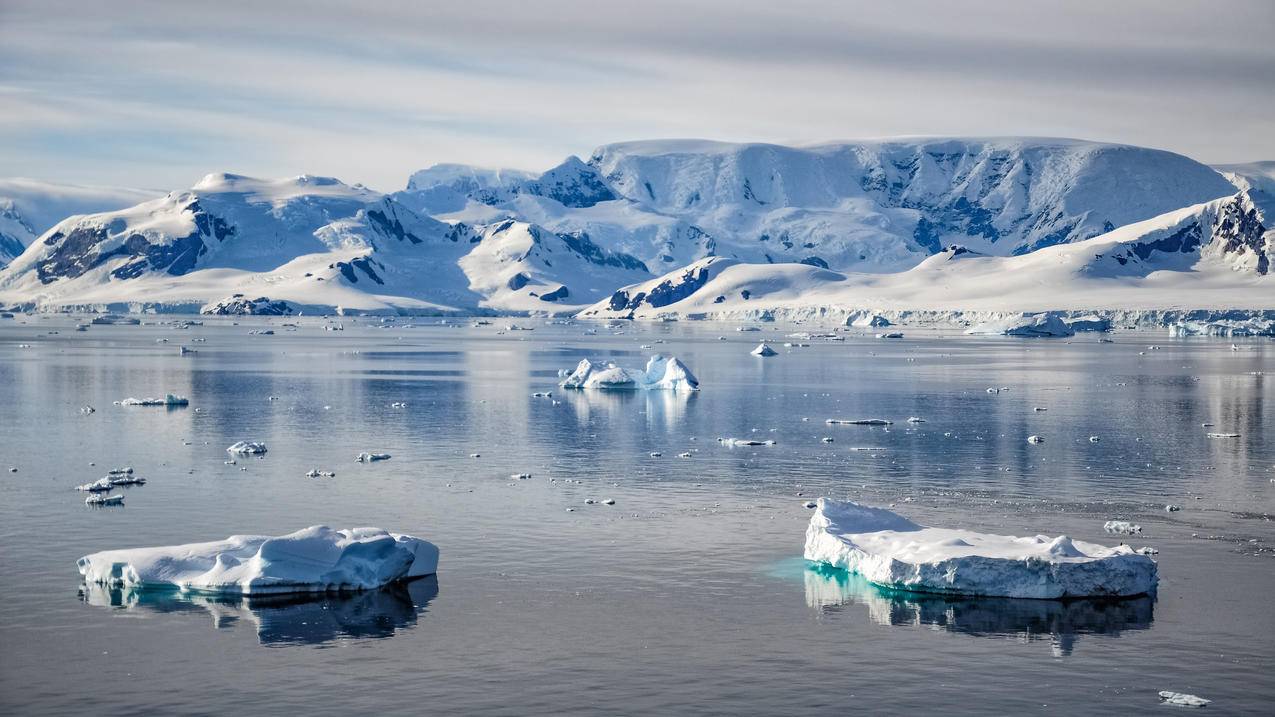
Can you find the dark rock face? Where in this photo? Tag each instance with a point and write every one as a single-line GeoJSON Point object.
{"type": "Point", "coordinates": [389, 224]}
{"type": "Point", "coordinates": [1239, 227]}
{"type": "Point", "coordinates": [517, 281]}
{"type": "Point", "coordinates": [78, 250]}
{"type": "Point", "coordinates": [1185, 240]}
{"type": "Point", "coordinates": [580, 243]}
{"type": "Point", "coordinates": [665, 293]}
{"type": "Point", "coordinates": [363, 264]}
{"type": "Point", "coordinates": [573, 184]}
{"type": "Point", "coordinates": [239, 306]}
{"type": "Point", "coordinates": [815, 261]}
{"type": "Point", "coordinates": [556, 295]}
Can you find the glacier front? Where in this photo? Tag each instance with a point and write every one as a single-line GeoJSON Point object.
{"type": "Point", "coordinates": [315, 559]}
{"type": "Point", "coordinates": [892, 551]}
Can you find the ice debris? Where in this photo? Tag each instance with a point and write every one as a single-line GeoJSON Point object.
{"type": "Point", "coordinates": [1121, 526]}
{"type": "Point", "coordinates": [168, 400]}
{"type": "Point", "coordinates": [366, 457]}
{"type": "Point", "coordinates": [1182, 699]}
{"type": "Point", "coordinates": [246, 448]}
{"type": "Point", "coordinates": [858, 422]}
{"type": "Point", "coordinates": [100, 500]}
{"type": "Point", "coordinates": [1038, 325]}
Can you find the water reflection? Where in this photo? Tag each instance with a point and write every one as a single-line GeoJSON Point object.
{"type": "Point", "coordinates": [1061, 622]}
{"type": "Point", "coordinates": [664, 410]}
{"type": "Point", "coordinates": [287, 620]}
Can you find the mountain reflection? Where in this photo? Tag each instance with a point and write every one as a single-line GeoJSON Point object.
{"type": "Point", "coordinates": [287, 620]}
{"type": "Point", "coordinates": [1061, 622]}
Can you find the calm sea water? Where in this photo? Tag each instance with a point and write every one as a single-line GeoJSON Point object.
{"type": "Point", "coordinates": [689, 595]}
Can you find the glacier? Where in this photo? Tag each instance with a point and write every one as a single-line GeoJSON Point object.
{"type": "Point", "coordinates": [894, 552]}
{"type": "Point", "coordinates": [315, 559]}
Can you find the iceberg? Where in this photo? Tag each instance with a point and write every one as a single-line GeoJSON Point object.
{"type": "Point", "coordinates": [892, 551]}
{"type": "Point", "coordinates": [870, 321]}
{"type": "Point", "coordinates": [1089, 322]}
{"type": "Point", "coordinates": [315, 559]}
{"type": "Point", "coordinates": [366, 457]}
{"type": "Point", "coordinates": [168, 400]}
{"type": "Point", "coordinates": [662, 373]}
{"type": "Point", "coordinates": [1229, 328]}
{"type": "Point", "coordinates": [1181, 699]}
{"type": "Point", "coordinates": [245, 448]}
{"type": "Point", "coordinates": [763, 349]}
{"type": "Point", "coordinates": [97, 486]}
{"type": "Point", "coordinates": [98, 499]}
{"type": "Point", "coordinates": [1046, 324]}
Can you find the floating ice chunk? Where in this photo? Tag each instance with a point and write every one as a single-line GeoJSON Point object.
{"type": "Point", "coordinates": [126, 479]}
{"type": "Point", "coordinates": [609, 501]}
{"type": "Point", "coordinates": [810, 504]}
{"type": "Point", "coordinates": [891, 335]}
{"type": "Point", "coordinates": [316, 473]}
{"type": "Point", "coordinates": [656, 454]}
{"type": "Point", "coordinates": [1046, 324]}
{"type": "Point", "coordinates": [915, 419]}
{"type": "Point", "coordinates": [315, 559]}
{"type": "Point", "coordinates": [1121, 526]}
{"type": "Point", "coordinates": [662, 373]}
{"type": "Point", "coordinates": [542, 394]}
{"type": "Point", "coordinates": [87, 410]}
{"type": "Point", "coordinates": [892, 551]}
{"type": "Point", "coordinates": [1148, 551]}
{"type": "Point", "coordinates": [1094, 439]}
{"type": "Point", "coordinates": [763, 349]}
{"type": "Point", "coordinates": [826, 439]}
{"type": "Point", "coordinates": [1172, 508]}
{"type": "Point", "coordinates": [747, 328]}
{"type": "Point", "coordinates": [97, 486]}
{"type": "Point", "coordinates": [870, 321]}
{"type": "Point", "coordinates": [686, 454]}
{"type": "Point", "coordinates": [127, 470]}
{"type": "Point", "coordinates": [1182, 699]}
{"type": "Point", "coordinates": [1035, 439]}
{"type": "Point", "coordinates": [733, 442]}
{"type": "Point", "coordinates": [399, 404]}
{"type": "Point", "coordinates": [99, 499]}
{"type": "Point", "coordinates": [366, 457]}
{"type": "Point", "coordinates": [858, 422]}
{"type": "Point", "coordinates": [1222, 435]}
{"type": "Point", "coordinates": [168, 400]}
{"type": "Point", "coordinates": [247, 448]}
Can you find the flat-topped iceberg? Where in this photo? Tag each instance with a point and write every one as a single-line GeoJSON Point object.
{"type": "Point", "coordinates": [168, 400]}
{"type": "Point", "coordinates": [1047, 324]}
{"type": "Point", "coordinates": [662, 373]}
{"type": "Point", "coordinates": [892, 551]}
{"type": "Point", "coordinates": [316, 559]}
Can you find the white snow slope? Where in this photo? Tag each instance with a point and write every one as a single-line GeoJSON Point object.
{"type": "Point", "coordinates": [881, 205]}
{"type": "Point", "coordinates": [311, 242]}
{"type": "Point", "coordinates": [1211, 257]}
{"type": "Point", "coordinates": [29, 207]}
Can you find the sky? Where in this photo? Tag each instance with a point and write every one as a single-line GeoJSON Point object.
{"type": "Point", "coordinates": [156, 94]}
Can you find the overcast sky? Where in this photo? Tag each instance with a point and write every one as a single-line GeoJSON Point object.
{"type": "Point", "coordinates": [157, 94]}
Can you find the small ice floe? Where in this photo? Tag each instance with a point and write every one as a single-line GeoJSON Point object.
{"type": "Point", "coordinates": [858, 422]}
{"type": "Point", "coordinates": [894, 552]}
{"type": "Point", "coordinates": [589, 501]}
{"type": "Point", "coordinates": [1147, 551]}
{"type": "Point", "coordinates": [1172, 508]}
{"type": "Point", "coordinates": [661, 373]}
{"type": "Point", "coordinates": [520, 476]}
{"type": "Point", "coordinates": [656, 454]}
{"type": "Point", "coordinates": [366, 457]}
{"type": "Point", "coordinates": [182, 351]}
{"type": "Point", "coordinates": [87, 410]}
{"type": "Point", "coordinates": [747, 328]}
{"type": "Point", "coordinates": [168, 400]}
{"type": "Point", "coordinates": [891, 335]}
{"type": "Point", "coordinates": [98, 486]}
{"type": "Point", "coordinates": [608, 501]}
{"type": "Point", "coordinates": [126, 470]}
{"type": "Point", "coordinates": [399, 404]}
{"type": "Point", "coordinates": [272, 398]}
{"type": "Point", "coordinates": [1094, 439]}
{"type": "Point", "coordinates": [1181, 699]}
{"type": "Point", "coordinates": [542, 394]}
{"type": "Point", "coordinates": [1038, 409]}
{"type": "Point", "coordinates": [1035, 439]}
{"type": "Point", "coordinates": [1121, 526]}
{"type": "Point", "coordinates": [313, 560]}
{"type": "Point", "coordinates": [826, 439]}
{"type": "Point", "coordinates": [741, 442]}
{"type": "Point", "coordinates": [247, 448]}
{"type": "Point", "coordinates": [915, 419]}
{"type": "Point", "coordinates": [316, 473]}
{"type": "Point", "coordinates": [475, 455]}
{"type": "Point", "coordinates": [810, 504]}
{"type": "Point", "coordinates": [1222, 435]}
{"type": "Point", "coordinates": [126, 479]}
{"type": "Point", "coordinates": [686, 454]}
{"type": "Point", "coordinates": [763, 349]}
{"type": "Point", "coordinates": [993, 390]}
{"type": "Point", "coordinates": [103, 500]}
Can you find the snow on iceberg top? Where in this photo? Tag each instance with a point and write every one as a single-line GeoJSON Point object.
{"type": "Point", "coordinates": [892, 551]}
{"type": "Point", "coordinates": [661, 373]}
{"type": "Point", "coordinates": [316, 559]}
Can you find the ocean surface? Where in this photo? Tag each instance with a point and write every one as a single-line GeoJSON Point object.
{"type": "Point", "coordinates": [689, 595]}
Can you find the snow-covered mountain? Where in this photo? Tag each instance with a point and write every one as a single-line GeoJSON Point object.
{"type": "Point", "coordinates": [864, 206]}
{"type": "Point", "coordinates": [1211, 256]}
{"type": "Point", "coordinates": [312, 242]}
{"type": "Point", "coordinates": [29, 207]}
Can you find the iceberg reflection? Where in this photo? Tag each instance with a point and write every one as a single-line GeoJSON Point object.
{"type": "Point", "coordinates": [1061, 622]}
{"type": "Point", "coordinates": [287, 620]}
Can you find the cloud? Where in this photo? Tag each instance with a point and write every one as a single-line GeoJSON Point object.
{"type": "Point", "coordinates": [159, 93]}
